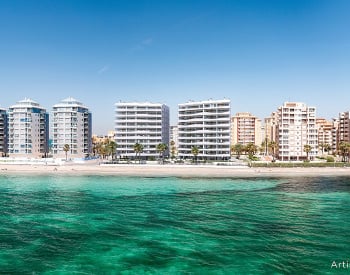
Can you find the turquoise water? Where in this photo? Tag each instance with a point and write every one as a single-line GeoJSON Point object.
{"type": "Point", "coordinates": [116, 225]}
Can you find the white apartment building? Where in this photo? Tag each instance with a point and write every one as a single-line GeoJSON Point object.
{"type": "Point", "coordinates": [144, 123]}
{"type": "Point", "coordinates": [3, 132]}
{"type": "Point", "coordinates": [344, 127]}
{"type": "Point", "coordinates": [246, 128]}
{"type": "Point", "coordinates": [206, 125]}
{"type": "Point", "coordinates": [71, 124]}
{"type": "Point", "coordinates": [296, 128]}
{"type": "Point", "coordinates": [174, 139]}
{"type": "Point", "coordinates": [335, 135]}
{"type": "Point", "coordinates": [28, 129]}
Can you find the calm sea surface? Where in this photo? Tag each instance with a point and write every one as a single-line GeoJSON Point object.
{"type": "Point", "coordinates": [113, 225]}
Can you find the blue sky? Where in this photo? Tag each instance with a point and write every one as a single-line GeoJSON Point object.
{"type": "Point", "coordinates": [256, 53]}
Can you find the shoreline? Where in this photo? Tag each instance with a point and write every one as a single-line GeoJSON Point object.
{"type": "Point", "coordinates": [168, 170]}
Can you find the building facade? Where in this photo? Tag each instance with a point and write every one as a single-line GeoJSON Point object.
{"type": "Point", "coordinates": [344, 127]}
{"type": "Point", "coordinates": [297, 128]}
{"type": "Point", "coordinates": [28, 129]}
{"type": "Point", "coordinates": [72, 125]}
{"type": "Point", "coordinates": [246, 128]}
{"type": "Point", "coordinates": [335, 134]}
{"type": "Point", "coordinates": [325, 134]}
{"type": "Point", "coordinates": [271, 127]}
{"type": "Point", "coordinates": [206, 125]}
{"type": "Point", "coordinates": [3, 132]}
{"type": "Point", "coordinates": [174, 140]}
{"type": "Point", "coordinates": [144, 123]}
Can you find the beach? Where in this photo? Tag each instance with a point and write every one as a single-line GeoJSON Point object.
{"type": "Point", "coordinates": [169, 170]}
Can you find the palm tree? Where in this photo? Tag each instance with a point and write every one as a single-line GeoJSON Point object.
{"type": "Point", "coordinates": [322, 146]}
{"type": "Point", "coordinates": [251, 149]}
{"type": "Point", "coordinates": [173, 149]}
{"type": "Point", "coordinates": [327, 148]}
{"type": "Point", "coordinates": [112, 148]}
{"type": "Point", "coordinates": [138, 148]}
{"type": "Point", "coordinates": [66, 148]}
{"type": "Point", "coordinates": [273, 145]}
{"type": "Point", "coordinates": [307, 150]}
{"type": "Point", "coordinates": [264, 146]}
{"type": "Point", "coordinates": [238, 149]}
{"type": "Point", "coordinates": [98, 147]}
{"type": "Point", "coordinates": [344, 148]}
{"type": "Point", "coordinates": [94, 148]}
{"type": "Point", "coordinates": [161, 148]}
{"type": "Point", "coordinates": [195, 152]}
{"type": "Point", "coordinates": [103, 151]}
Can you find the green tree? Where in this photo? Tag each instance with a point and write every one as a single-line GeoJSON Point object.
{"type": "Point", "coordinates": [94, 148]}
{"type": "Point", "coordinates": [327, 148]}
{"type": "Point", "coordinates": [265, 146]}
{"type": "Point", "coordinates": [322, 146]}
{"type": "Point", "coordinates": [161, 148]}
{"type": "Point", "coordinates": [273, 145]}
{"type": "Point", "coordinates": [138, 149]}
{"type": "Point", "coordinates": [195, 152]}
{"type": "Point", "coordinates": [238, 149]}
{"type": "Point", "coordinates": [172, 149]}
{"type": "Point", "coordinates": [307, 150]}
{"type": "Point", "coordinates": [344, 149]}
{"type": "Point", "coordinates": [251, 149]}
{"type": "Point", "coordinates": [66, 148]}
{"type": "Point", "coordinates": [103, 151]}
{"type": "Point", "coordinates": [98, 147]}
{"type": "Point", "coordinates": [111, 148]}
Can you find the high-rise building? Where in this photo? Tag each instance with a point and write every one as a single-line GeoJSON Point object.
{"type": "Point", "coordinates": [297, 128]}
{"type": "Point", "coordinates": [174, 138]}
{"type": "Point", "coordinates": [28, 125]}
{"type": "Point", "coordinates": [335, 133]}
{"type": "Point", "coordinates": [325, 135]}
{"type": "Point", "coordinates": [3, 132]}
{"type": "Point", "coordinates": [271, 125]}
{"type": "Point", "coordinates": [246, 128]}
{"type": "Point", "coordinates": [344, 127]}
{"type": "Point", "coordinates": [144, 123]}
{"type": "Point", "coordinates": [72, 125]}
{"type": "Point", "coordinates": [206, 125]}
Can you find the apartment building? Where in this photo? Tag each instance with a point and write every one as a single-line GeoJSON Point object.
{"type": "Point", "coordinates": [206, 125]}
{"type": "Point", "coordinates": [144, 123]}
{"type": "Point", "coordinates": [246, 128]}
{"type": "Point", "coordinates": [3, 132]}
{"type": "Point", "coordinates": [72, 125]}
{"type": "Point", "coordinates": [335, 134]}
{"type": "Point", "coordinates": [344, 127]}
{"type": "Point", "coordinates": [271, 127]}
{"type": "Point", "coordinates": [297, 128]}
{"type": "Point", "coordinates": [28, 129]}
{"type": "Point", "coordinates": [325, 135]}
{"type": "Point", "coordinates": [174, 137]}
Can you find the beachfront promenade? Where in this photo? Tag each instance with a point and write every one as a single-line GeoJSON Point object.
{"type": "Point", "coordinates": [166, 170]}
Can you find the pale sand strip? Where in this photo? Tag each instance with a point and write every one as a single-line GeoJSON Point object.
{"type": "Point", "coordinates": [169, 171]}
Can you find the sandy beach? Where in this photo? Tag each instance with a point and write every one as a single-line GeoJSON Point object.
{"type": "Point", "coordinates": [168, 170]}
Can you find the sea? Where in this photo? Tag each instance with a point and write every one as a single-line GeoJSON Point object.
{"type": "Point", "coordinates": [170, 225]}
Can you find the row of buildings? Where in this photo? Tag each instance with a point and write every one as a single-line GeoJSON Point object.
{"type": "Point", "coordinates": [207, 125]}
{"type": "Point", "coordinates": [24, 129]}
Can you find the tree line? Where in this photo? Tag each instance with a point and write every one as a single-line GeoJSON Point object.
{"type": "Point", "coordinates": [108, 148]}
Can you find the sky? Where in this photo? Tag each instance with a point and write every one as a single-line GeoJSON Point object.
{"type": "Point", "coordinates": [256, 53]}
